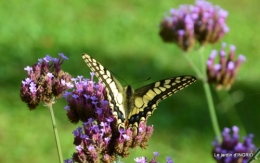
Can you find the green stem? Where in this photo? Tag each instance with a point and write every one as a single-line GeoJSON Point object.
{"type": "Point", "coordinates": [117, 160]}
{"type": "Point", "coordinates": [55, 132]}
{"type": "Point", "coordinates": [203, 76]}
{"type": "Point", "coordinates": [212, 110]}
{"type": "Point", "coordinates": [254, 157]}
{"type": "Point", "coordinates": [208, 94]}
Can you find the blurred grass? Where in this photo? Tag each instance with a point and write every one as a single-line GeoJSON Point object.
{"type": "Point", "coordinates": [117, 33]}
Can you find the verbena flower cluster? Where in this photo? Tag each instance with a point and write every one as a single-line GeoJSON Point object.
{"type": "Point", "coordinates": [99, 139]}
{"type": "Point", "coordinates": [230, 150]}
{"type": "Point", "coordinates": [223, 74]}
{"type": "Point", "coordinates": [45, 81]}
{"type": "Point", "coordinates": [201, 22]}
{"type": "Point", "coordinates": [144, 160]}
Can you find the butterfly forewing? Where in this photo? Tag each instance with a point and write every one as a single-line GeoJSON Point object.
{"type": "Point", "coordinates": [148, 97]}
{"type": "Point", "coordinates": [113, 87]}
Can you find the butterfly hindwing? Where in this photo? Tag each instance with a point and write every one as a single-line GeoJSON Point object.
{"type": "Point", "coordinates": [147, 97]}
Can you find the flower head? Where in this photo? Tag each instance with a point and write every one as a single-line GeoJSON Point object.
{"type": "Point", "coordinates": [223, 74]}
{"type": "Point", "coordinates": [44, 81]}
{"type": "Point", "coordinates": [144, 159]}
{"type": "Point", "coordinates": [99, 138]}
{"type": "Point", "coordinates": [202, 22]}
{"type": "Point", "coordinates": [230, 150]}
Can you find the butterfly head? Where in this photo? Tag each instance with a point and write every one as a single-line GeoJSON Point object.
{"type": "Point", "coordinates": [129, 91]}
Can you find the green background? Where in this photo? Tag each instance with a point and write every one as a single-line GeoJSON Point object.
{"type": "Point", "coordinates": [123, 36]}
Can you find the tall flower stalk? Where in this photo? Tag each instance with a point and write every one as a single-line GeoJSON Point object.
{"type": "Point", "coordinates": [46, 81]}
{"type": "Point", "coordinates": [206, 24]}
{"type": "Point", "coordinates": [203, 23]}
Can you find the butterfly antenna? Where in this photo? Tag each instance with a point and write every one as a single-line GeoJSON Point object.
{"type": "Point", "coordinates": [119, 77]}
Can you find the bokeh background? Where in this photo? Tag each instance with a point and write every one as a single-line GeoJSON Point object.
{"type": "Point", "coordinates": [123, 36]}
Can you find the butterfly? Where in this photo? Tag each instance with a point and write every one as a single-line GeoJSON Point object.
{"type": "Point", "coordinates": [129, 106]}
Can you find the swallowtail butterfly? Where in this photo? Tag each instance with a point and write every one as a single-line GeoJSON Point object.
{"type": "Point", "coordinates": [129, 106]}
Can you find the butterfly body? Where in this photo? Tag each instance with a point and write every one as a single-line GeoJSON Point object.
{"type": "Point", "coordinates": [129, 106]}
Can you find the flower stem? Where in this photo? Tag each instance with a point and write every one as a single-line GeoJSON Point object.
{"type": "Point", "coordinates": [57, 140]}
{"type": "Point", "coordinates": [117, 160]}
{"type": "Point", "coordinates": [212, 110]}
{"type": "Point", "coordinates": [202, 75]}
{"type": "Point", "coordinates": [208, 94]}
{"type": "Point", "coordinates": [254, 157]}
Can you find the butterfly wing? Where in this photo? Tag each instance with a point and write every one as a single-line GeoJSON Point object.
{"type": "Point", "coordinates": [113, 88]}
{"type": "Point", "coordinates": [147, 97]}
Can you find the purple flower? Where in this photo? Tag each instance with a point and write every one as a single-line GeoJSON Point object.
{"type": "Point", "coordinates": [144, 160]}
{"type": "Point", "coordinates": [169, 160]}
{"type": "Point", "coordinates": [140, 160]}
{"type": "Point", "coordinates": [99, 138]}
{"type": "Point", "coordinates": [68, 161]}
{"type": "Point", "coordinates": [202, 22]}
{"type": "Point", "coordinates": [230, 150]}
{"type": "Point", "coordinates": [45, 81]}
{"type": "Point", "coordinates": [223, 74]}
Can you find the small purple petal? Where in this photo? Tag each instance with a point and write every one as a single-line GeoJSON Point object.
{"type": "Point", "coordinates": [91, 148]}
{"type": "Point", "coordinates": [181, 32]}
{"type": "Point", "coordinates": [140, 160]}
{"type": "Point", "coordinates": [217, 67]}
{"type": "Point", "coordinates": [79, 148]}
{"type": "Point", "coordinates": [213, 54]}
{"type": "Point", "coordinates": [232, 48]}
{"type": "Point", "coordinates": [99, 111]}
{"type": "Point", "coordinates": [126, 137]}
{"type": "Point", "coordinates": [223, 13]}
{"type": "Point", "coordinates": [231, 65]}
{"type": "Point", "coordinates": [69, 85]}
{"type": "Point", "coordinates": [169, 160]}
{"type": "Point", "coordinates": [32, 87]}
{"type": "Point", "coordinates": [67, 108]}
{"type": "Point", "coordinates": [68, 161]}
{"type": "Point", "coordinates": [209, 62]}
{"type": "Point", "coordinates": [63, 56]}
{"type": "Point", "coordinates": [48, 58]}
{"type": "Point", "coordinates": [55, 60]}
{"type": "Point", "coordinates": [74, 79]}
{"type": "Point", "coordinates": [156, 153]}
{"type": "Point", "coordinates": [66, 94]}
{"type": "Point", "coordinates": [92, 75]}
{"type": "Point", "coordinates": [107, 139]}
{"type": "Point", "coordinates": [63, 82]}
{"type": "Point", "coordinates": [28, 69]}
{"type": "Point", "coordinates": [75, 96]}
{"type": "Point", "coordinates": [80, 77]}
{"type": "Point", "coordinates": [77, 132]}
{"type": "Point", "coordinates": [27, 81]}
{"type": "Point", "coordinates": [50, 75]}
{"type": "Point", "coordinates": [224, 45]}
{"type": "Point", "coordinates": [242, 58]}
{"type": "Point", "coordinates": [109, 120]}
{"type": "Point", "coordinates": [222, 53]}
{"type": "Point", "coordinates": [235, 129]}
{"type": "Point", "coordinates": [103, 124]}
